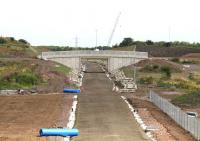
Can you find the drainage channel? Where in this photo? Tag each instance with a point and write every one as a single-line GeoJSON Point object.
{"type": "Point", "coordinates": [135, 114]}
{"type": "Point", "coordinates": [139, 120]}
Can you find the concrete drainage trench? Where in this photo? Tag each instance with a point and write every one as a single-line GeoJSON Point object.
{"type": "Point", "coordinates": [139, 120]}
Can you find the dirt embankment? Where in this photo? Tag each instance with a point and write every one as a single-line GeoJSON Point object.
{"type": "Point", "coordinates": [167, 51]}
{"type": "Point", "coordinates": [52, 77]}
{"type": "Point", "coordinates": [169, 130]}
{"type": "Point", "coordinates": [157, 51]}
{"type": "Point", "coordinates": [160, 62]}
{"type": "Point", "coordinates": [192, 55]}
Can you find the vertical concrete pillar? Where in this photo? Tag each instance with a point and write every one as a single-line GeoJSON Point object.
{"type": "Point", "coordinates": [108, 64]}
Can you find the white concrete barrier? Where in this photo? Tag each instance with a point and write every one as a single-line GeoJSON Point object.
{"type": "Point", "coordinates": [139, 120]}
{"type": "Point", "coordinates": [72, 116]}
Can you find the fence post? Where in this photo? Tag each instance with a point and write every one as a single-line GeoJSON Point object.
{"type": "Point", "coordinates": [188, 123]}
{"type": "Point", "coordinates": [150, 96]}
{"type": "Point", "coordinates": [197, 130]}
{"type": "Point", "coordinates": [196, 127]}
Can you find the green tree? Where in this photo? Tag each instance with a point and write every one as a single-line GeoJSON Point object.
{"type": "Point", "coordinates": [12, 39]}
{"type": "Point", "coordinates": [149, 42]}
{"type": "Point", "coordinates": [2, 40]}
{"type": "Point", "coordinates": [115, 46]}
{"type": "Point", "coordinates": [126, 42]}
{"type": "Point", "coordinates": [23, 41]}
{"type": "Point", "coordinates": [168, 44]}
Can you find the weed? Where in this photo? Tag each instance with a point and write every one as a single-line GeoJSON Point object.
{"type": "Point", "coordinates": [146, 80]}
{"type": "Point", "coordinates": [191, 98]}
{"type": "Point", "coordinates": [166, 72]}
{"type": "Point", "coordinates": [62, 69]}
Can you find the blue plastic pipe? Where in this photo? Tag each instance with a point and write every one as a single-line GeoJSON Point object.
{"type": "Point", "coordinates": [67, 90]}
{"type": "Point", "coordinates": [59, 132]}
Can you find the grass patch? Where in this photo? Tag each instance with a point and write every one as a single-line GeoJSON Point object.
{"type": "Point", "coordinates": [62, 69]}
{"type": "Point", "coordinates": [177, 83]}
{"type": "Point", "coordinates": [129, 72]}
{"type": "Point", "coordinates": [150, 68]}
{"type": "Point", "coordinates": [15, 75]}
{"type": "Point", "coordinates": [19, 80]}
{"type": "Point", "coordinates": [146, 80]}
{"type": "Point", "coordinates": [195, 77]}
{"type": "Point", "coordinates": [155, 68]}
{"type": "Point", "coordinates": [27, 79]}
{"type": "Point", "coordinates": [192, 98]}
{"type": "Point", "coordinates": [9, 47]}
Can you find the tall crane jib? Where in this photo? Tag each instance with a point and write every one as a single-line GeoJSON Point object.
{"type": "Point", "coordinates": [113, 31]}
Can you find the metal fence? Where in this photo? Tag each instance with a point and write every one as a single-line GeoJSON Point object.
{"type": "Point", "coordinates": [190, 124]}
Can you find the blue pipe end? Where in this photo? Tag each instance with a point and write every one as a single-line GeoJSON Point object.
{"type": "Point", "coordinates": [59, 132]}
{"type": "Point", "coordinates": [68, 90]}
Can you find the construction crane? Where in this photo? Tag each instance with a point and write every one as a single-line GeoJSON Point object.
{"type": "Point", "coordinates": [113, 31]}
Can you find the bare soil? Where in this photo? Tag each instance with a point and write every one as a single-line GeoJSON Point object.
{"type": "Point", "coordinates": [173, 131]}
{"type": "Point", "coordinates": [21, 117]}
{"type": "Point", "coordinates": [191, 55]}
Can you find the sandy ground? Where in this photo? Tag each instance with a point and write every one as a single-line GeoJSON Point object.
{"type": "Point", "coordinates": [102, 115]}
{"type": "Point", "coordinates": [21, 117]}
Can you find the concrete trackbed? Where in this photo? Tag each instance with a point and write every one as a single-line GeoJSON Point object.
{"type": "Point", "coordinates": [102, 115]}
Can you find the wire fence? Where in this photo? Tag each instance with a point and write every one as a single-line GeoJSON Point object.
{"type": "Point", "coordinates": [190, 124]}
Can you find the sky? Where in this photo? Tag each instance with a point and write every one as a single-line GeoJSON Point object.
{"type": "Point", "coordinates": [59, 22]}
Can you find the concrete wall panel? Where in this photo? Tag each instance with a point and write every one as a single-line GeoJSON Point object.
{"type": "Point", "coordinates": [117, 62]}
{"type": "Point", "coordinates": [73, 63]}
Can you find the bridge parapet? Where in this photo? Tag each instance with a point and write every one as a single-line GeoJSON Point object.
{"type": "Point", "coordinates": [90, 53]}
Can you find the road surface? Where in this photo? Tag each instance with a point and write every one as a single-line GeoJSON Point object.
{"type": "Point", "coordinates": [102, 115]}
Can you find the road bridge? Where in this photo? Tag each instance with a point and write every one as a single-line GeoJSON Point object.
{"type": "Point", "coordinates": [115, 59]}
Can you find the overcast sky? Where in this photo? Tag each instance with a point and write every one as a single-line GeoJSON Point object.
{"type": "Point", "coordinates": [58, 22]}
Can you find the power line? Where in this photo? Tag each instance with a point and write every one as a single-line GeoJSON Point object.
{"type": "Point", "coordinates": [169, 32]}
{"type": "Point", "coordinates": [96, 38]}
{"type": "Point", "coordinates": [76, 41]}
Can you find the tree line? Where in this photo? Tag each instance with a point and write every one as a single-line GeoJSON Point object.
{"type": "Point", "coordinates": [129, 42]}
